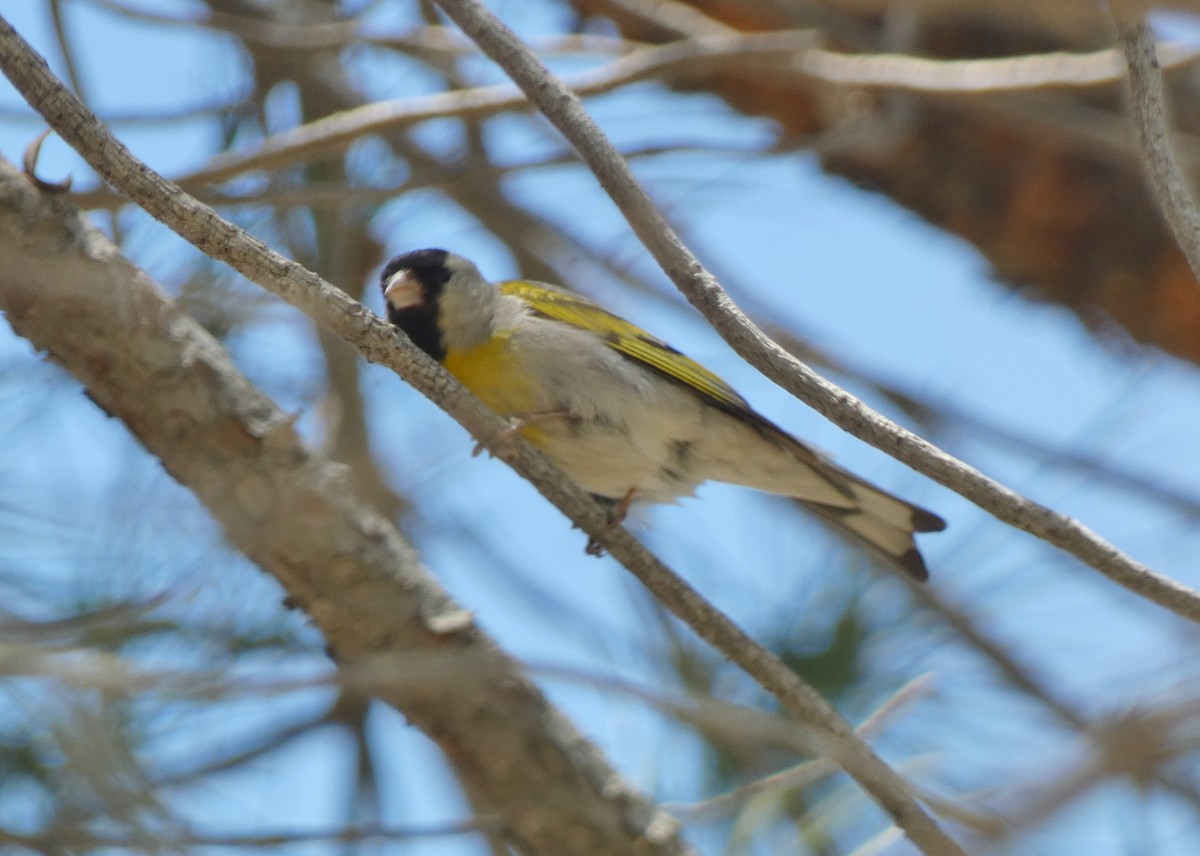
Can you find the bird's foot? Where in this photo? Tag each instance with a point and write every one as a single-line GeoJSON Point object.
{"type": "Point", "coordinates": [517, 423]}
{"type": "Point", "coordinates": [617, 510]}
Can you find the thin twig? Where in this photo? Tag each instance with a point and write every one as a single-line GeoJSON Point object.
{"type": "Point", "coordinates": [333, 194]}
{"type": "Point", "coordinates": [702, 290]}
{"type": "Point", "coordinates": [64, 47]}
{"type": "Point", "coordinates": [335, 133]}
{"type": "Point", "coordinates": [157, 118]}
{"type": "Point", "coordinates": [929, 411]}
{"type": "Point", "coordinates": [1149, 109]}
{"type": "Point", "coordinates": [333, 35]}
{"type": "Point", "coordinates": [808, 772]}
{"type": "Point", "coordinates": [1058, 70]}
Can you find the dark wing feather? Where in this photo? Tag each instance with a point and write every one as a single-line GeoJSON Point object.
{"type": "Point", "coordinates": [636, 344]}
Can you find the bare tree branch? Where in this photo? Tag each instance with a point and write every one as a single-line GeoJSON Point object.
{"type": "Point", "coordinates": [336, 133]}
{"type": "Point", "coordinates": [334, 194]}
{"type": "Point", "coordinates": [380, 342]}
{"type": "Point", "coordinates": [1134, 744]}
{"type": "Point", "coordinates": [702, 290]}
{"type": "Point", "coordinates": [687, 56]}
{"type": "Point", "coordinates": [1153, 133]}
{"type": "Point", "coordinates": [1057, 70]}
{"type": "Point", "coordinates": [156, 118]}
{"type": "Point", "coordinates": [1066, 15]}
{"type": "Point", "coordinates": [1107, 255]}
{"type": "Point", "coordinates": [64, 287]}
{"type": "Point", "coordinates": [808, 772]}
{"type": "Point", "coordinates": [420, 41]}
{"type": "Point", "coordinates": [540, 245]}
{"type": "Point", "coordinates": [918, 74]}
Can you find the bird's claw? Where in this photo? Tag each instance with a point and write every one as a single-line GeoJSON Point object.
{"type": "Point", "coordinates": [515, 424]}
{"type": "Point", "coordinates": [616, 516]}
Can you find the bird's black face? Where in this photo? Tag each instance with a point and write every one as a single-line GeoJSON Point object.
{"type": "Point", "coordinates": [411, 285]}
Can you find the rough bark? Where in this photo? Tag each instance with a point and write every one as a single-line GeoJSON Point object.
{"type": "Point", "coordinates": [66, 289]}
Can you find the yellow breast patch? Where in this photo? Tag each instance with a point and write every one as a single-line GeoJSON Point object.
{"type": "Point", "coordinates": [492, 371]}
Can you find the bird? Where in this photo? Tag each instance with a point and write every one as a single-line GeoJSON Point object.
{"type": "Point", "coordinates": [626, 416]}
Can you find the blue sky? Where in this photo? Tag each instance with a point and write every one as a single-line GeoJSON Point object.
{"type": "Point", "coordinates": [848, 269]}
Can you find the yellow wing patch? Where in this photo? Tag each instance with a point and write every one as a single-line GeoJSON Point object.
{"type": "Point", "coordinates": [626, 338]}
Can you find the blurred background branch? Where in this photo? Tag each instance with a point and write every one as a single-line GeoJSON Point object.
{"type": "Point", "coordinates": [1052, 340]}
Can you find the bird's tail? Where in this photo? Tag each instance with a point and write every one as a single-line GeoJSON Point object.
{"type": "Point", "coordinates": [884, 523]}
{"type": "Point", "coordinates": [784, 466]}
